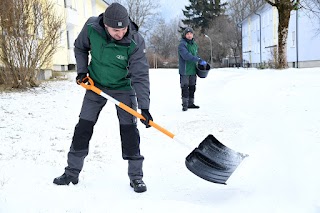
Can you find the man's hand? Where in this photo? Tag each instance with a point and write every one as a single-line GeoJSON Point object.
{"type": "Point", "coordinates": [81, 78]}
{"type": "Point", "coordinates": [146, 114]}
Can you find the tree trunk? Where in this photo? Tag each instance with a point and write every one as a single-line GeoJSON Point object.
{"type": "Point", "coordinates": [284, 10]}
{"type": "Point", "coordinates": [284, 17]}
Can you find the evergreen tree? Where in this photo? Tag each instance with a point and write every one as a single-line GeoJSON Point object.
{"type": "Point", "coordinates": [201, 13]}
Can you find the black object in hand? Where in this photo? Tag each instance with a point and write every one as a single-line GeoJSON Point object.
{"type": "Point", "coordinates": [146, 114]}
{"type": "Point", "coordinates": [81, 78]}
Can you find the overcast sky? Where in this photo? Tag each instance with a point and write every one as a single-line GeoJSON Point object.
{"type": "Point", "coordinates": [172, 9]}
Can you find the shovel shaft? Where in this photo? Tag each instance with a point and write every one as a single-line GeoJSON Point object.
{"type": "Point", "coordinates": [93, 88]}
{"type": "Point", "coordinates": [151, 123]}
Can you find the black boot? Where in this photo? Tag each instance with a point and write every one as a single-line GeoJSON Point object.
{"type": "Point", "coordinates": [185, 102]}
{"type": "Point", "coordinates": [184, 108]}
{"type": "Point", "coordinates": [185, 97]}
{"type": "Point", "coordinates": [138, 185]}
{"type": "Point", "coordinates": [65, 180]}
{"type": "Point", "coordinates": [191, 104]}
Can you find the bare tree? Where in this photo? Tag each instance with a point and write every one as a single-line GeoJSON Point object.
{"type": "Point", "coordinates": [314, 7]}
{"type": "Point", "coordinates": [284, 8]}
{"type": "Point", "coordinates": [253, 5]}
{"type": "Point", "coordinates": [237, 14]}
{"type": "Point", "coordinates": [222, 35]}
{"type": "Point", "coordinates": [164, 40]}
{"type": "Point", "coordinates": [239, 9]}
{"type": "Point", "coordinates": [29, 36]}
{"type": "Point", "coordinates": [235, 42]}
{"type": "Point", "coordinates": [142, 12]}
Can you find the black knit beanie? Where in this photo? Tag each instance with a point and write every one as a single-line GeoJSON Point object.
{"type": "Point", "coordinates": [116, 16]}
{"type": "Point", "coordinates": [187, 30]}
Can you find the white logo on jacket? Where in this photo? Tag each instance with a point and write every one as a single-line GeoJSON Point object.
{"type": "Point", "coordinates": [121, 57]}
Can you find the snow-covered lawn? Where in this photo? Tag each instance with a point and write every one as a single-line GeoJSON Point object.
{"type": "Point", "coordinates": [272, 115]}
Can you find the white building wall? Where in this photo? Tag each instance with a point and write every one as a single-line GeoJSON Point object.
{"type": "Point", "coordinates": [251, 36]}
{"type": "Point", "coordinates": [309, 43]}
{"type": "Point", "coordinates": [246, 41]}
{"type": "Point", "coordinates": [268, 33]}
{"type": "Point", "coordinates": [302, 43]}
{"type": "Point", "coordinates": [292, 38]}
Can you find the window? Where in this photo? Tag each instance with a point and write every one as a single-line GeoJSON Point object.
{"type": "Point", "coordinates": [70, 4]}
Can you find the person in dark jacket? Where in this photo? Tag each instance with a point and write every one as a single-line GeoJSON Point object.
{"type": "Point", "coordinates": [188, 59]}
{"type": "Point", "coordinates": [119, 67]}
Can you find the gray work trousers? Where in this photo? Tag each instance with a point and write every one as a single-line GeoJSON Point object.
{"type": "Point", "coordinates": [130, 138]}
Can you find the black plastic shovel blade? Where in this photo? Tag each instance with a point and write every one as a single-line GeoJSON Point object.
{"type": "Point", "coordinates": [213, 161]}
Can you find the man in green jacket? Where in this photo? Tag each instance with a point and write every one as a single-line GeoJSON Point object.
{"type": "Point", "coordinates": [188, 59]}
{"type": "Point", "coordinates": [119, 67]}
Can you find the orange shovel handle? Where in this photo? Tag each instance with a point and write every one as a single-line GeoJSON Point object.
{"type": "Point", "coordinates": [89, 85]}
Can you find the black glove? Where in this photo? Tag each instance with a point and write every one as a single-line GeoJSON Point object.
{"type": "Point", "coordinates": [80, 78]}
{"type": "Point", "coordinates": [146, 114]}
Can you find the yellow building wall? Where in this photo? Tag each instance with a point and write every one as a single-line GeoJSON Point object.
{"type": "Point", "coordinates": [60, 57]}
{"type": "Point", "coordinates": [82, 9]}
{"type": "Point", "coordinates": [58, 5]}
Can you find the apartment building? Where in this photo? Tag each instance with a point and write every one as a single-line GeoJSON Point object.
{"type": "Point", "coordinates": [75, 13]}
{"type": "Point", "coordinates": [260, 38]}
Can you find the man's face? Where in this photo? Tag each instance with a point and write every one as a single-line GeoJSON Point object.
{"type": "Point", "coordinates": [117, 33]}
{"type": "Point", "coordinates": [189, 35]}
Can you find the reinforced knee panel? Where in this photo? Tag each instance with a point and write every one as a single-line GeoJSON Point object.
{"type": "Point", "coordinates": [82, 135]}
{"type": "Point", "coordinates": [130, 141]}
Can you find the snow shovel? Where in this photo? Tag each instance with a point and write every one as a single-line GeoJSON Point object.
{"type": "Point", "coordinates": [211, 160]}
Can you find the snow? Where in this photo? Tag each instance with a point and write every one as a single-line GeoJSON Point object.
{"type": "Point", "coordinates": [272, 115]}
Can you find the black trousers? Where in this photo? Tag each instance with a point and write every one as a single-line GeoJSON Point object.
{"type": "Point", "coordinates": [188, 86]}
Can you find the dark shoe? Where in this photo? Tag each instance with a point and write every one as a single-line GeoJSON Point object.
{"type": "Point", "coordinates": [184, 108]}
{"type": "Point", "coordinates": [65, 180]}
{"type": "Point", "coordinates": [138, 185]}
{"type": "Point", "coordinates": [185, 102]}
{"type": "Point", "coordinates": [192, 106]}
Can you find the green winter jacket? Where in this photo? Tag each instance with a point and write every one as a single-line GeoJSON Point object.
{"type": "Point", "coordinates": [109, 61]}
{"type": "Point", "coordinates": [114, 65]}
{"type": "Point", "coordinates": [188, 57]}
